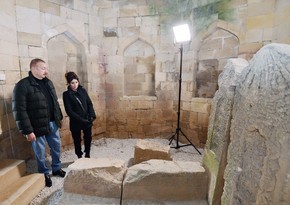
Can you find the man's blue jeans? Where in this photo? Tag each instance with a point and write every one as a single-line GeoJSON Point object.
{"type": "Point", "coordinates": [54, 143]}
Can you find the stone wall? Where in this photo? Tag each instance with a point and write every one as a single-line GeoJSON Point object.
{"type": "Point", "coordinates": [97, 39]}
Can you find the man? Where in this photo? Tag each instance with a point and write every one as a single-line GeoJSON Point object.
{"type": "Point", "coordinates": [38, 117]}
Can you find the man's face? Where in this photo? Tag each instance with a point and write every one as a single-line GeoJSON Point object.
{"type": "Point", "coordinates": [40, 70]}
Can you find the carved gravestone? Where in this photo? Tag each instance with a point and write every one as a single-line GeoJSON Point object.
{"type": "Point", "coordinates": [259, 152]}
{"type": "Point", "coordinates": [219, 127]}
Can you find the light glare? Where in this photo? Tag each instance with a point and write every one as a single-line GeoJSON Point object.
{"type": "Point", "coordinates": [181, 33]}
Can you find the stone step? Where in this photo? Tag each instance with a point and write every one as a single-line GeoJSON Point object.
{"type": "Point", "coordinates": [23, 190]}
{"type": "Point", "coordinates": [15, 186]}
{"type": "Point", "coordinates": [10, 171]}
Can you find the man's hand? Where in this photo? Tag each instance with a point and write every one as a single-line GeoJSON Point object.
{"type": "Point", "coordinates": [30, 137]}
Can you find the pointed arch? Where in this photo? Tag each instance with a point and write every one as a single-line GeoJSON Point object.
{"type": "Point", "coordinates": [139, 67]}
{"type": "Point", "coordinates": [66, 51]}
{"type": "Point", "coordinates": [129, 41]}
{"type": "Point", "coordinates": [220, 24]}
{"type": "Point", "coordinates": [215, 46]}
{"type": "Point", "coordinates": [68, 31]}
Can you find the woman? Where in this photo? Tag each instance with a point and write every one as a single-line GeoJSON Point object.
{"type": "Point", "coordinates": [79, 108]}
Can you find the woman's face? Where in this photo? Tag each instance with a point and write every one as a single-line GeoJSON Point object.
{"type": "Point", "coordinates": [74, 84]}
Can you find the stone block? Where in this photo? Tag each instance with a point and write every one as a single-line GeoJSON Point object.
{"type": "Point", "coordinates": [29, 39]}
{"type": "Point", "coordinates": [80, 16]}
{"type": "Point", "coordinates": [201, 105]}
{"type": "Point", "coordinates": [8, 48]}
{"type": "Point", "coordinates": [128, 11]}
{"type": "Point", "coordinates": [254, 35]}
{"type": "Point", "coordinates": [261, 8]}
{"type": "Point", "coordinates": [202, 119]}
{"type": "Point", "coordinates": [144, 10]}
{"type": "Point", "coordinates": [126, 22]}
{"type": "Point", "coordinates": [36, 52]}
{"type": "Point", "coordinates": [101, 177]}
{"type": "Point", "coordinates": [50, 8]}
{"type": "Point", "coordinates": [110, 22]}
{"type": "Point", "coordinates": [32, 4]}
{"type": "Point", "coordinates": [259, 22]}
{"type": "Point", "coordinates": [82, 6]}
{"type": "Point", "coordinates": [162, 180]}
{"type": "Point", "coordinates": [146, 150]}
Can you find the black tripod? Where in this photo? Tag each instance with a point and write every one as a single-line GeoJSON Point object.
{"type": "Point", "coordinates": [178, 129]}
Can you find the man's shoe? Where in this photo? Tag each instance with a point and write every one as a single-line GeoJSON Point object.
{"type": "Point", "coordinates": [59, 172]}
{"type": "Point", "coordinates": [48, 181]}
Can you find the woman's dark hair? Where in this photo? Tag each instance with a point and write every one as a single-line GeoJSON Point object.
{"type": "Point", "coordinates": [70, 76]}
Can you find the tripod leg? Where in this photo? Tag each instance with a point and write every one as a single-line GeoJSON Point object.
{"type": "Point", "coordinates": [190, 142]}
{"type": "Point", "coordinates": [172, 138]}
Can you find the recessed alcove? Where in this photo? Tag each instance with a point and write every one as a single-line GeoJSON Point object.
{"type": "Point", "coordinates": [139, 69]}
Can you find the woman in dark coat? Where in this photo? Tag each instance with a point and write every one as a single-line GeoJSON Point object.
{"type": "Point", "coordinates": [80, 110]}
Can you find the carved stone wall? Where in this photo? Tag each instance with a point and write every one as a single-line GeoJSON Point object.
{"type": "Point", "coordinates": [257, 170]}
{"type": "Point", "coordinates": [218, 139]}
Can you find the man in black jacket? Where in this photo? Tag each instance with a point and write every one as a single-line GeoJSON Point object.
{"type": "Point", "coordinates": [38, 117]}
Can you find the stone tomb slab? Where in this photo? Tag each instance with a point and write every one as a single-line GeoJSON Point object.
{"type": "Point", "coordinates": [101, 177]}
{"type": "Point", "coordinates": [161, 180]}
{"type": "Point", "coordinates": [147, 150]}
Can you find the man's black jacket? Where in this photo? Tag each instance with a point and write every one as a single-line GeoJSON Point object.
{"type": "Point", "coordinates": [30, 107]}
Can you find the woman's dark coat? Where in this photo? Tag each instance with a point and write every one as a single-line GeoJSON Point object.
{"type": "Point", "coordinates": [80, 115]}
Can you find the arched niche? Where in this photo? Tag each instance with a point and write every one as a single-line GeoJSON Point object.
{"type": "Point", "coordinates": [139, 69]}
{"type": "Point", "coordinates": [66, 51]}
{"type": "Point", "coordinates": [217, 46]}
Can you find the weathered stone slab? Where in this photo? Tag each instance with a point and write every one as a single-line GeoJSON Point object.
{"type": "Point", "coordinates": [161, 180]}
{"type": "Point", "coordinates": [219, 127]}
{"type": "Point", "coordinates": [258, 164]}
{"type": "Point", "coordinates": [146, 150]}
{"type": "Point", "coordinates": [101, 177]}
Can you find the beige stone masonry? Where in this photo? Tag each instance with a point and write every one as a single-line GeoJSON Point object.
{"type": "Point", "coordinates": [10, 171]}
{"type": "Point", "coordinates": [28, 20]}
{"type": "Point", "coordinates": [144, 10]}
{"type": "Point", "coordinates": [29, 39]}
{"type": "Point", "coordinates": [8, 48]}
{"type": "Point", "coordinates": [254, 35]}
{"type": "Point", "coordinates": [100, 177]}
{"type": "Point", "coordinates": [126, 22]}
{"type": "Point", "coordinates": [82, 6]}
{"type": "Point", "coordinates": [15, 186]}
{"type": "Point", "coordinates": [261, 8]}
{"type": "Point", "coordinates": [10, 63]}
{"type": "Point", "coordinates": [263, 21]}
{"type": "Point", "coordinates": [129, 11]}
{"type": "Point", "coordinates": [23, 190]}
{"type": "Point", "coordinates": [80, 17]}
{"type": "Point", "coordinates": [48, 7]}
{"type": "Point", "coordinates": [162, 180]}
{"type": "Point", "coordinates": [201, 105]}
{"type": "Point", "coordinates": [146, 150]}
